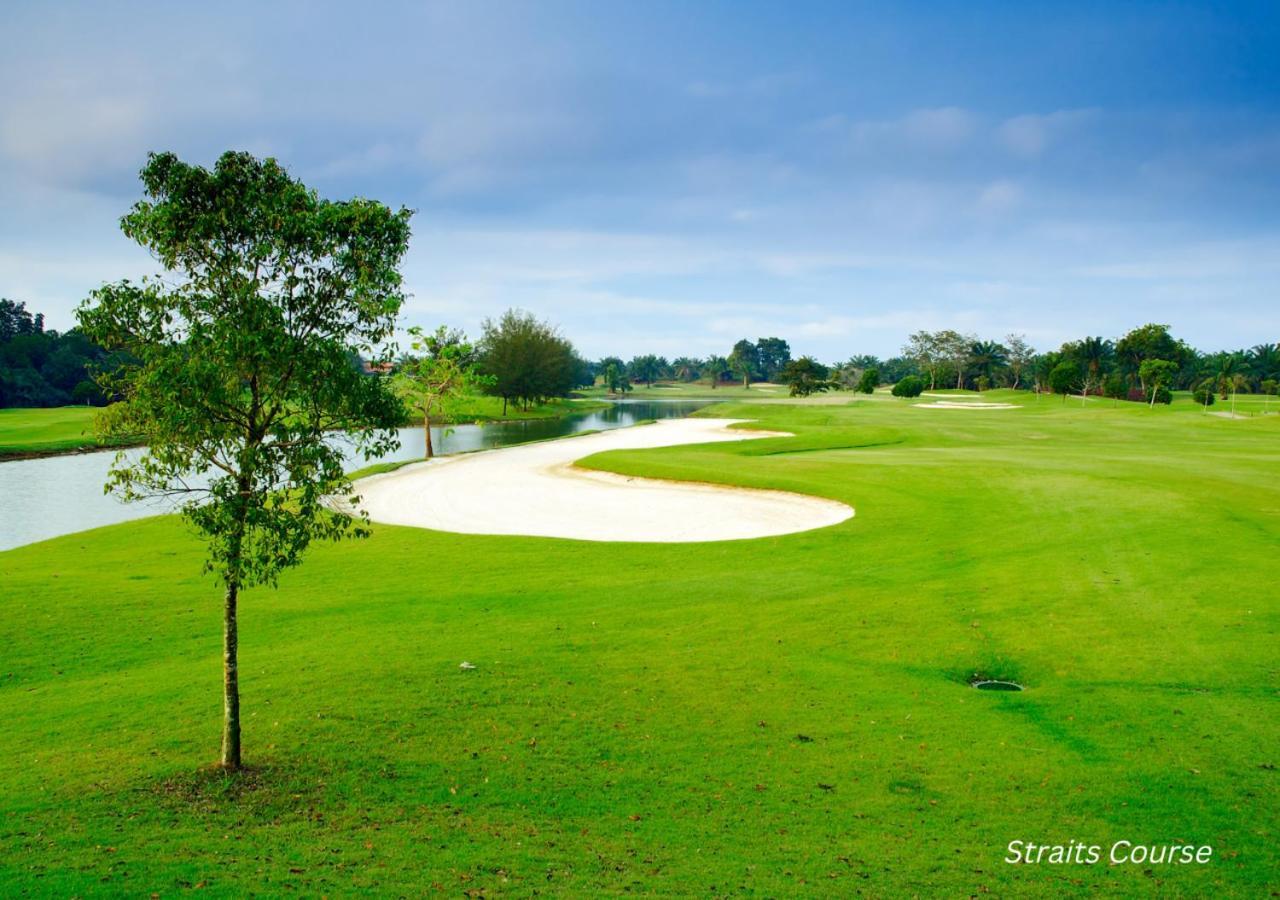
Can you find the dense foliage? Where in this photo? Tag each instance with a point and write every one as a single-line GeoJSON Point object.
{"type": "Point", "coordinates": [45, 368]}
{"type": "Point", "coordinates": [526, 360]}
{"type": "Point", "coordinates": [242, 364]}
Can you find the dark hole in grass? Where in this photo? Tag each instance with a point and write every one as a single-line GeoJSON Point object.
{"type": "Point", "coordinates": [995, 684]}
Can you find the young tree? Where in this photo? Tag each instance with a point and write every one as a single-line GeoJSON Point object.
{"type": "Point", "coordinates": [1063, 378]}
{"type": "Point", "coordinates": [954, 348]}
{"type": "Point", "coordinates": [743, 361]}
{"type": "Point", "coordinates": [1270, 387]}
{"type": "Point", "coordinates": [909, 386]}
{"type": "Point", "coordinates": [1141, 344]}
{"type": "Point", "coordinates": [242, 365]}
{"type": "Point", "coordinates": [1157, 374]}
{"type": "Point", "coordinates": [1019, 355]}
{"type": "Point", "coordinates": [869, 381]}
{"type": "Point", "coordinates": [432, 382]}
{"type": "Point", "coordinates": [925, 348]}
{"type": "Point", "coordinates": [805, 376]}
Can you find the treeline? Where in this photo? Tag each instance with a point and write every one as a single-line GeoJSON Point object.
{"type": "Point", "coordinates": [45, 368]}
{"type": "Point", "coordinates": [1146, 363]}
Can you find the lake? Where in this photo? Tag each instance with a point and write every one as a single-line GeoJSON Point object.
{"type": "Point", "coordinates": [57, 495]}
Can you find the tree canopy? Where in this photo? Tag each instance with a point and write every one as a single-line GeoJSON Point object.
{"type": "Point", "coordinates": [241, 364]}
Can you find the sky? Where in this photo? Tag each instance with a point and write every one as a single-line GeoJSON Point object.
{"type": "Point", "coordinates": [669, 177]}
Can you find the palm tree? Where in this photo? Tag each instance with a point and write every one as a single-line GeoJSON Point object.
{"type": "Point", "coordinates": [714, 368]}
{"type": "Point", "coordinates": [987, 357]}
{"type": "Point", "coordinates": [686, 369]}
{"type": "Point", "coordinates": [1229, 365]}
{"type": "Point", "coordinates": [1264, 362]}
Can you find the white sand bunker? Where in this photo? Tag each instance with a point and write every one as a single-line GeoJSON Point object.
{"type": "Point", "coordinates": [965, 404]}
{"type": "Point", "coordinates": [535, 489]}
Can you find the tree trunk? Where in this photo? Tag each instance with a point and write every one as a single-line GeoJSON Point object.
{"type": "Point", "coordinates": [504, 405]}
{"type": "Point", "coordinates": [746, 382]}
{"type": "Point", "coordinates": [230, 682]}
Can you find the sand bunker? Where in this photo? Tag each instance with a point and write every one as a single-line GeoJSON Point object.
{"type": "Point", "coordinates": [965, 404]}
{"type": "Point", "coordinates": [535, 489]}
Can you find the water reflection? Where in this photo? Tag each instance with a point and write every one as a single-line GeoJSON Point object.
{"type": "Point", "coordinates": [45, 498]}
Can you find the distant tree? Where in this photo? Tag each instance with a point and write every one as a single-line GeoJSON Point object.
{"type": "Point", "coordinates": [869, 381]}
{"type": "Point", "coordinates": [1157, 374]}
{"type": "Point", "coordinates": [1270, 387]}
{"type": "Point", "coordinates": [1264, 363]}
{"type": "Point", "coordinates": [988, 359]}
{"type": "Point", "coordinates": [1141, 344]}
{"type": "Point", "coordinates": [910, 386]}
{"type": "Point", "coordinates": [1019, 355]}
{"type": "Point", "coordinates": [686, 369]}
{"type": "Point", "coordinates": [894, 370]}
{"type": "Point", "coordinates": [1203, 395]}
{"type": "Point", "coordinates": [926, 349]}
{"type": "Point", "coordinates": [1064, 378]}
{"type": "Point", "coordinates": [715, 369]}
{"type": "Point", "coordinates": [744, 361]}
{"type": "Point", "coordinates": [645, 369]}
{"type": "Point", "coordinates": [805, 376]}
{"type": "Point", "coordinates": [771, 355]}
{"type": "Point", "coordinates": [527, 360]}
{"type": "Point", "coordinates": [1228, 366]}
{"type": "Point", "coordinates": [1115, 387]}
{"type": "Point", "coordinates": [242, 368]}
{"type": "Point", "coordinates": [431, 383]}
{"type": "Point", "coordinates": [954, 348]}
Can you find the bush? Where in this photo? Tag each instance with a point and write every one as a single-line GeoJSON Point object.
{"type": "Point", "coordinates": [1115, 387]}
{"type": "Point", "coordinates": [1203, 397]}
{"type": "Point", "coordinates": [1164, 395]}
{"type": "Point", "coordinates": [869, 381]}
{"type": "Point", "coordinates": [911, 386]}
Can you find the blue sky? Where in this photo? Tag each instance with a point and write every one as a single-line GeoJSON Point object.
{"type": "Point", "coordinates": [670, 177]}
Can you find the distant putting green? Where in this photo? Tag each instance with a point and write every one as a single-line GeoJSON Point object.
{"type": "Point", "coordinates": [772, 717]}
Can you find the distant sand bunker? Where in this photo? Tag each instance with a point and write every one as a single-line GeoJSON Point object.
{"type": "Point", "coordinates": [535, 489]}
{"type": "Point", "coordinates": [965, 404]}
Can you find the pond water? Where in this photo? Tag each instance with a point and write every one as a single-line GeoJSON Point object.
{"type": "Point", "coordinates": [57, 495]}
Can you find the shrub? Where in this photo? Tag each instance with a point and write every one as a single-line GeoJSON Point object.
{"type": "Point", "coordinates": [1115, 387]}
{"type": "Point", "coordinates": [1203, 396]}
{"type": "Point", "coordinates": [911, 386]}
{"type": "Point", "coordinates": [1164, 395]}
{"type": "Point", "coordinates": [870, 379]}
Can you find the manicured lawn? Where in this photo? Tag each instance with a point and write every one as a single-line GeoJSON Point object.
{"type": "Point", "coordinates": [38, 431]}
{"type": "Point", "coordinates": [772, 717]}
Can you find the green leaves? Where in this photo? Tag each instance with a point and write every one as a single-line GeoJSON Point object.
{"type": "Point", "coordinates": [244, 349]}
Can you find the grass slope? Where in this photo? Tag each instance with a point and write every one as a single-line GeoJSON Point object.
{"type": "Point", "coordinates": [33, 432]}
{"type": "Point", "coordinates": [770, 717]}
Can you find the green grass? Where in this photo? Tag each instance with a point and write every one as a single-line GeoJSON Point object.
{"type": "Point", "coordinates": [635, 720]}
{"type": "Point", "coordinates": [38, 432]}
{"type": "Point", "coordinates": [46, 432]}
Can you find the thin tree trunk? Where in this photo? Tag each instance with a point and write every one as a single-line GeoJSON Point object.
{"type": "Point", "coordinates": [504, 405]}
{"type": "Point", "coordinates": [230, 681]}
{"type": "Point", "coordinates": [426, 432]}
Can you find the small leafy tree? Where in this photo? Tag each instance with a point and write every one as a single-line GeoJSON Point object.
{"type": "Point", "coordinates": [743, 361]}
{"type": "Point", "coordinates": [1157, 374]}
{"type": "Point", "coordinates": [1270, 387]}
{"type": "Point", "coordinates": [910, 386]}
{"type": "Point", "coordinates": [1063, 378]}
{"type": "Point", "coordinates": [1204, 395]}
{"type": "Point", "coordinates": [431, 383]}
{"type": "Point", "coordinates": [1115, 387]}
{"type": "Point", "coordinates": [242, 365]}
{"type": "Point", "coordinates": [805, 376]}
{"type": "Point", "coordinates": [869, 381]}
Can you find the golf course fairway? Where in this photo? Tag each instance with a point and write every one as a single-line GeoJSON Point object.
{"type": "Point", "coordinates": [775, 717]}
